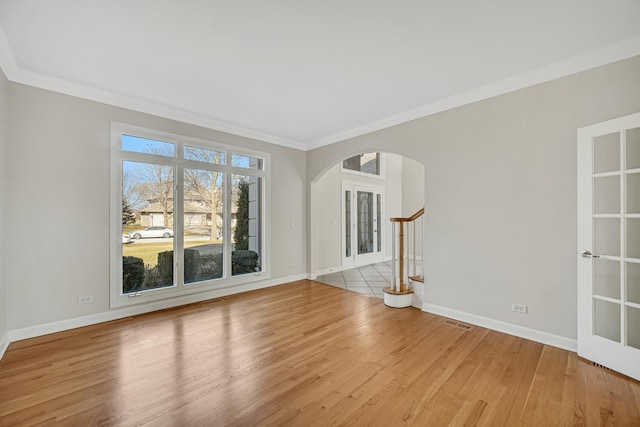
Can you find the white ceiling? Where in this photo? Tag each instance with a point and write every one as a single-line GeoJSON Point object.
{"type": "Point", "coordinates": [305, 73]}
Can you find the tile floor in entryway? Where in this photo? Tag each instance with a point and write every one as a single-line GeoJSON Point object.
{"type": "Point", "coordinates": [368, 280]}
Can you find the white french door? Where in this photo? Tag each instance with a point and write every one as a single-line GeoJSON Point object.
{"type": "Point", "coordinates": [609, 244]}
{"type": "Point", "coordinates": [362, 225]}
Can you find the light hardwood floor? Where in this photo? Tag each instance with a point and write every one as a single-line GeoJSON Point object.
{"type": "Point", "coordinates": [303, 354]}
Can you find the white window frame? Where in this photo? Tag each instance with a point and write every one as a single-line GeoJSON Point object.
{"type": "Point", "coordinates": [117, 298]}
{"type": "Point", "coordinates": [364, 174]}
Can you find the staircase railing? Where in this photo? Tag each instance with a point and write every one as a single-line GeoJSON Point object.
{"type": "Point", "coordinates": [405, 230]}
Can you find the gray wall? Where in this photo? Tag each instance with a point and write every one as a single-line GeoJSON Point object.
{"type": "Point", "coordinates": [58, 202]}
{"type": "Point", "coordinates": [412, 201]}
{"type": "Point", "coordinates": [500, 193]}
{"type": "Point", "coordinates": [412, 186]}
{"type": "Point", "coordinates": [3, 206]}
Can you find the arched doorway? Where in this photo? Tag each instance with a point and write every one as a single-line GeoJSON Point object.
{"type": "Point", "coordinates": [350, 210]}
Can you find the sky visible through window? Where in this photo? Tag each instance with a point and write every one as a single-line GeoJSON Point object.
{"type": "Point", "coordinates": [159, 148]}
{"type": "Point", "coordinates": [148, 146]}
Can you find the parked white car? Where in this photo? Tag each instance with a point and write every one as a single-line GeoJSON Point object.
{"type": "Point", "coordinates": [155, 231]}
{"type": "Point", "coordinates": [126, 238]}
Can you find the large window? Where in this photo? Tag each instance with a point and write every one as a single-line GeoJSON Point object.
{"type": "Point", "coordinates": [188, 215]}
{"type": "Point", "coordinates": [367, 163]}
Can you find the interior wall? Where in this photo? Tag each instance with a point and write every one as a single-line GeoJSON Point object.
{"type": "Point", "coordinates": [326, 195]}
{"type": "Point", "coordinates": [58, 202]}
{"type": "Point", "coordinates": [413, 201]}
{"type": "Point", "coordinates": [500, 183]}
{"type": "Point", "coordinates": [412, 186]}
{"type": "Point", "coordinates": [3, 208]}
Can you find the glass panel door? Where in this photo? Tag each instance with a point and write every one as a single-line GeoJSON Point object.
{"type": "Point", "coordinates": [609, 244]}
{"type": "Point", "coordinates": [362, 232]}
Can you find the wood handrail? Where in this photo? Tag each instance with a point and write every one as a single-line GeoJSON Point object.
{"type": "Point", "coordinates": [411, 218]}
{"type": "Point", "coordinates": [417, 215]}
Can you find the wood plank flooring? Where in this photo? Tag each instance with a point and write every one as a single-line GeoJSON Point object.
{"type": "Point", "coordinates": [303, 354]}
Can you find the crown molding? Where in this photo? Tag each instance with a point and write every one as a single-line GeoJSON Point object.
{"type": "Point", "coordinates": [596, 58]}
{"type": "Point", "coordinates": [16, 74]}
{"type": "Point", "coordinates": [7, 59]}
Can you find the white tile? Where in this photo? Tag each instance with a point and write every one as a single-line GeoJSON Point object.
{"type": "Point", "coordinates": [378, 284]}
{"type": "Point", "coordinates": [352, 275]}
{"type": "Point", "coordinates": [356, 282]}
{"type": "Point", "coordinates": [336, 284]}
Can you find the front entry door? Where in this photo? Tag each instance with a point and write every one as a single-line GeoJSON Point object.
{"type": "Point", "coordinates": [609, 244]}
{"type": "Point", "coordinates": [362, 236]}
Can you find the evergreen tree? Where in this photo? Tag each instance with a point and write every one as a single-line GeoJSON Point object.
{"type": "Point", "coordinates": [241, 233]}
{"type": "Point", "coordinates": [128, 217]}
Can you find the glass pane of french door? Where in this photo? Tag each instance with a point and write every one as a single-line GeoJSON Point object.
{"type": "Point", "coordinates": [365, 213]}
{"type": "Point", "coordinates": [633, 148]}
{"type": "Point", "coordinates": [633, 327]}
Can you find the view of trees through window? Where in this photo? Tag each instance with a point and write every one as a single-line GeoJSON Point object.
{"type": "Point", "coordinates": [153, 207]}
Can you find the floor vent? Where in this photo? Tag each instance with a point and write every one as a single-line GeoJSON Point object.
{"type": "Point", "coordinates": [458, 325]}
{"type": "Point", "coordinates": [601, 366]}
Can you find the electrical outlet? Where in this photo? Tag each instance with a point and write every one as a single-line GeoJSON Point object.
{"type": "Point", "coordinates": [518, 308]}
{"type": "Point", "coordinates": [84, 300]}
{"type": "Point", "coordinates": [292, 266]}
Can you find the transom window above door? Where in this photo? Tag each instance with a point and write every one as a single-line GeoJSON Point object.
{"type": "Point", "coordinates": [367, 163]}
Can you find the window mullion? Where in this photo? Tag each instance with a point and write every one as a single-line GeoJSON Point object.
{"type": "Point", "coordinates": [244, 171]}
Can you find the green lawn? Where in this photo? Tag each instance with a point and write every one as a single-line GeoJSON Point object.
{"type": "Point", "coordinates": [149, 251]}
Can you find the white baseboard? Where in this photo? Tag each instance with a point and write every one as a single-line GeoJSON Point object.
{"type": "Point", "coordinates": [507, 328]}
{"type": "Point", "coordinates": [4, 343]}
{"type": "Point", "coordinates": [120, 313]}
{"type": "Point", "coordinates": [328, 271]}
